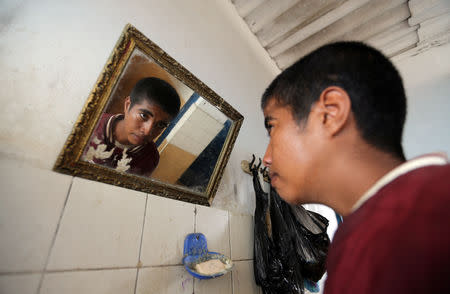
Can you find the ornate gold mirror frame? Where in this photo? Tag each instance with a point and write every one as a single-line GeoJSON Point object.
{"type": "Point", "coordinates": [70, 159]}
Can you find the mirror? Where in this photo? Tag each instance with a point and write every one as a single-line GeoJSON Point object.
{"type": "Point", "coordinates": [140, 143]}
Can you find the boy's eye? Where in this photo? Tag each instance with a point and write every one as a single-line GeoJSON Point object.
{"type": "Point", "coordinates": [268, 128]}
{"type": "Point", "coordinates": [143, 116]}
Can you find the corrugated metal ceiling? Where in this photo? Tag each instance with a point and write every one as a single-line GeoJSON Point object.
{"type": "Point", "coordinates": [289, 29]}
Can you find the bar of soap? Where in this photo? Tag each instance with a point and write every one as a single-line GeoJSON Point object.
{"type": "Point", "coordinates": [210, 267]}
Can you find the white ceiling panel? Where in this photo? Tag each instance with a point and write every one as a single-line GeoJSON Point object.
{"type": "Point", "coordinates": [290, 29]}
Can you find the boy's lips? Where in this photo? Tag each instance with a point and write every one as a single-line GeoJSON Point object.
{"type": "Point", "coordinates": [273, 177]}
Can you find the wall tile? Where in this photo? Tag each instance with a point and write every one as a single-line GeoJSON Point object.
{"type": "Point", "coordinates": [120, 281]}
{"type": "Point", "coordinates": [101, 227]}
{"type": "Point", "coordinates": [167, 223]}
{"type": "Point", "coordinates": [244, 279]}
{"type": "Point", "coordinates": [220, 285]}
{"type": "Point", "coordinates": [19, 284]}
{"type": "Point", "coordinates": [164, 280]}
{"type": "Point", "coordinates": [31, 202]}
{"type": "Point", "coordinates": [213, 223]}
{"type": "Point", "coordinates": [241, 236]}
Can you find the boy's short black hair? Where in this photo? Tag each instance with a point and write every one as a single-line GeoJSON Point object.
{"type": "Point", "coordinates": [156, 91]}
{"type": "Point", "coordinates": [378, 99]}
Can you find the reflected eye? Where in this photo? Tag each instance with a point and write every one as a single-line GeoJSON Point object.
{"type": "Point", "coordinates": [144, 116]}
{"type": "Point", "coordinates": [162, 125]}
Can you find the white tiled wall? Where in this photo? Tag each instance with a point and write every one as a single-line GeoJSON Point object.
{"type": "Point", "coordinates": [97, 281]}
{"type": "Point", "coordinates": [101, 228]}
{"type": "Point", "coordinates": [19, 284]}
{"type": "Point", "coordinates": [30, 207]}
{"type": "Point", "coordinates": [60, 234]}
{"type": "Point", "coordinates": [220, 285]}
{"type": "Point", "coordinates": [165, 280]}
{"type": "Point", "coordinates": [167, 222]}
{"type": "Point", "coordinates": [241, 234]}
{"type": "Point", "coordinates": [243, 279]}
{"type": "Point", "coordinates": [214, 224]}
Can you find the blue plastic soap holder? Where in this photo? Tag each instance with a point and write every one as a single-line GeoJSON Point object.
{"type": "Point", "coordinates": [196, 251]}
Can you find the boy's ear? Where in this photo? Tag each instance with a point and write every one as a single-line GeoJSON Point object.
{"type": "Point", "coordinates": [126, 104]}
{"type": "Point", "coordinates": [335, 109]}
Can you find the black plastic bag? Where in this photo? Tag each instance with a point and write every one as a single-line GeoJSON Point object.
{"type": "Point", "coordinates": [290, 243]}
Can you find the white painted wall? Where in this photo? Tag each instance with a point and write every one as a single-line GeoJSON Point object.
{"type": "Point", "coordinates": [427, 83]}
{"type": "Point", "coordinates": [53, 52]}
{"type": "Point", "coordinates": [62, 234]}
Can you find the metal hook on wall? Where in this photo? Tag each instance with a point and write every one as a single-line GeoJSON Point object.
{"type": "Point", "coordinates": [248, 166]}
{"type": "Point", "coordinates": [265, 174]}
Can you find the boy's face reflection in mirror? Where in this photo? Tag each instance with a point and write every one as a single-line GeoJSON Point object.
{"type": "Point", "coordinates": [143, 122]}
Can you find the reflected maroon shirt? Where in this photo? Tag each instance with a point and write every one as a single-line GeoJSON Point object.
{"type": "Point", "coordinates": [103, 150]}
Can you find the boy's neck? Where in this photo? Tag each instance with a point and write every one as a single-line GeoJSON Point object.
{"type": "Point", "coordinates": [355, 174]}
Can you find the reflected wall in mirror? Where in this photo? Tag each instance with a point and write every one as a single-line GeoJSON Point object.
{"type": "Point", "coordinates": [132, 133]}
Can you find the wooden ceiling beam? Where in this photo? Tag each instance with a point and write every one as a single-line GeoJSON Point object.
{"type": "Point", "coordinates": [379, 24]}
{"type": "Point", "coordinates": [422, 10]}
{"type": "Point", "coordinates": [299, 16]}
{"type": "Point", "coordinates": [266, 12]}
{"type": "Point", "coordinates": [316, 26]}
{"type": "Point", "coordinates": [406, 42]}
{"type": "Point", "coordinates": [363, 15]}
{"type": "Point", "coordinates": [391, 35]}
{"type": "Point", "coordinates": [244, 7]}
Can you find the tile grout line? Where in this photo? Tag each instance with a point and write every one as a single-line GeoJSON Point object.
{"type": "Point", "coordinates": [229, 234]}
{"type": "Point", "coordinates": [231, 252]}
{"type": "Point", "coordinates": [195, 218]}
{"type": "Point", "coordinates": [162, 265]}
{"type": "Point", "coordinates": [102, 269]}
{"type": "Point", "coordinates": [139, 265]}
{"type": "Point", "coordinates": [91, 269]}
{"type": "Point", "coordinates": [30, 272]}
{"type": "Point", "coordinates": [54, 237]}
{"type": "Point", "coordinates": [232, 283]}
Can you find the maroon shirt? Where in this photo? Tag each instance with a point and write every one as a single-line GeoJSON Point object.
{"type": "Point", "coordinates": [398, 241]}
{"type": "Point", "coordinates": [102, 149]}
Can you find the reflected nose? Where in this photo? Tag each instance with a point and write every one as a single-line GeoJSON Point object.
{"type": "Point", "coordinates": [147, 127]}
{"type": "Point", "coordinates": [267, 159]}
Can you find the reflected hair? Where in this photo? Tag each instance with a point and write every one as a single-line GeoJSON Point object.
{"type": "Point", "coordinates": [375, 88]}
{"type": "Point", "coordinates": [156, 91]}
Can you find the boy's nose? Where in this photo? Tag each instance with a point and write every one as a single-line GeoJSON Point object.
{"type": "Point", "coordinates": [267, 159]}
{"type": "Point", "coordinates": [147, 128]}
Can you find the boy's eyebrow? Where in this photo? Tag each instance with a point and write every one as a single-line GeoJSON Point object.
{"type": "Point", "coordinates": [146, 111]}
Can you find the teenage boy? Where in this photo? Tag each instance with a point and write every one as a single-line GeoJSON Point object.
{"type": "Point", "coordinates": [335, 120]}
{"type": "Point", "coordinates": [125, 141]}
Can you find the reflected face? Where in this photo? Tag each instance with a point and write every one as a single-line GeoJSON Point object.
{"type": "Point", "coordinates": [291, 153]}
{"type": "Point", "coordinates": [143, 122]}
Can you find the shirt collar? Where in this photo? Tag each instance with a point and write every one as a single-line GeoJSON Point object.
{"type": "Point", "coordinates": [418, 162]}
{"type": "Point", "coordinates": [109, 131]}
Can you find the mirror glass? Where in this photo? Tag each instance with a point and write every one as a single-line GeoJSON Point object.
{"type": "Point", "coordinates": [135, 143]}
{"type": "Point", "coordinates": [188, 147]}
